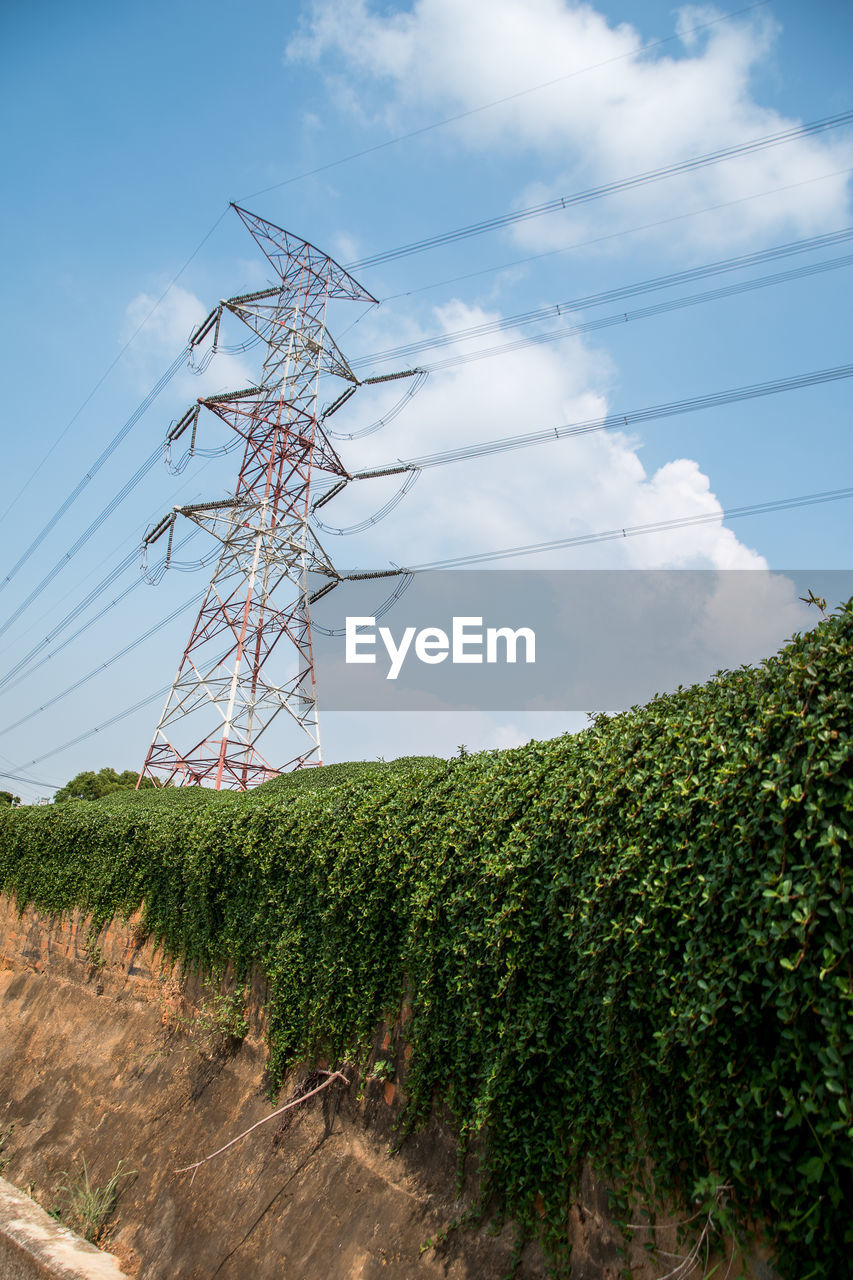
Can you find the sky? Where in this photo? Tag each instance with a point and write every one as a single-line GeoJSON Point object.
{"type": "Point", "coordinates": [364, 127]}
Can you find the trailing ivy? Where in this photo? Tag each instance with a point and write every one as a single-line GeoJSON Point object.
{"type": "Point", "coordinates": [630, 946]}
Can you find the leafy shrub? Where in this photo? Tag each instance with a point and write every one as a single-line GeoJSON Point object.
{"type": "Point", "coordinates": [626, 946]}
{"type": "Point", "coordinates": [93, 786]}
{"type": "Point", "coordinates": [332, 775]}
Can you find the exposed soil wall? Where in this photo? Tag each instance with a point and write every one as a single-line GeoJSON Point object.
{"type": "Point", "coordinates": [108, 1053]}
{"type": "Point", "coordinates": [104, 1053]}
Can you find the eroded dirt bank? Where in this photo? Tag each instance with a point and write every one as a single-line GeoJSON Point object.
{"type": "Point", "coordinates": [107, 1053]}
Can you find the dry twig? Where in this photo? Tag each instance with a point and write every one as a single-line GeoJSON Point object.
{"type": "Point", "coordinates": [331, 1076]}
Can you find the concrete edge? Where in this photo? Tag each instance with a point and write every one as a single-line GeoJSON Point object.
{"type": "Point", "coordinates": [34, 1246]}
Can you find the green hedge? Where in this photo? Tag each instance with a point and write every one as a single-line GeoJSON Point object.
{"type": "Point", "coordinates": [332, 775]}
{"type": "Point", "coordinates": [629, 946]}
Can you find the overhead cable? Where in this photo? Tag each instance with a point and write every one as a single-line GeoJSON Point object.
{"type": "Point", "coordinates": [93, 470]}
{"type": "Point", "coordinates": [608, 535]}
{"type": "Point", "coordinates": [560, 203]}
{"type": "Point", "coordinates": [557, 309]}
{"type": "Point", "coordinates": [614, 235]}
{"type": "Point", "coordinates": [111, 366]}
{"type": "Point", "coordinates": [105, 724]}
{"type": "Point", "coordinates": [33, 782]}
{"type": "Point", "coordinates": [370, 521]}
{"type": "Point", "coordinates": [84, 537]}
{"type": "Point", "coordinates": [25, 664]}
{"type": "Point", "coordinates": [635, 51]}
{"type": "Point", "coordinates": [643, 313]}
{"type": "Point", "coordinates": [70, 617]}
{"type": "Point", "coordinates": [410, 392]}
{"type": "Point", "coordinates": [632, 531]}
{"type": "Point", "coordinates": [102, 666]}
{"type": "Point", "coordinates": [540, 314]}
{"type": "Point", "coordinates": [629, 531]}
{"type": "Point", "coordinates": [537, 339]}
{"type": "Point", "coordinates": [611, 421]}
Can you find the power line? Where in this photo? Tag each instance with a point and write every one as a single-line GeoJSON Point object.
{"type": "Point", "coordinates": [499, 102]}
{"type": "Point", "coordinates": [105, 724]}
{"type": "Point", "coordinates": [613, 235]}
{"type": "Point", "coordinates": [74, 613]}
{"type": "Point", "coordinates": [630, 531]}
{"type": "Point", "coordinates": [102, 586]}
{"type": "Point", "coordinates": [441, 340]}
{"type": "Point", "coordinates": [8, 681]}
{"type": "Point", "coordinates": [622, 318]}
{"type": "Point", "coordinates": [84, 537]}
{"type": "Point", "coordinates": [761, 508]}
{"type": "Point", "coordinates": [610, 422]}
{"type": "Point", "coordinates": [559, 203]}
{"type": "Point", "coordinates": [93, 470]}
{"type": "Point", "coordinates": [22, 670]}
{"type": "Point", "coordinates": [644, 313]}
{"type": "Point", "coordinates": [33, 782]}
{"type": "Point", "coordinates": [72, 592]}
{"type": "Point", "coordinates": [731, 264]}
{"type": "Point", "coordinates": [108, 662]}
{"type": "Point", "coordinates": [111, 366]}
{"type": "Point", "coordinates": [541, 314]}
{"type": "Point", "coordinates": [656, 283]}
{"type": "Point", "coordinates": [618, 420]}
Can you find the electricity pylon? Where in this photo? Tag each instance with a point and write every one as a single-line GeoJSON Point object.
{"type": "Point", "coordinates": [223, 699]}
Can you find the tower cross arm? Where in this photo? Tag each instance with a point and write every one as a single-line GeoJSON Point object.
{"type": "Point", "coordinates": [283, 249]}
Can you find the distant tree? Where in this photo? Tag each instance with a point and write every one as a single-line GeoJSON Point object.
{"type": "Point", "coordinates": [91, 786]}
{"type": "Point", "coordinates": [6, 797]}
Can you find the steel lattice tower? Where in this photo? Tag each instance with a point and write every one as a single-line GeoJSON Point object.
{"type": "Point", "coordinates": [223, 700]}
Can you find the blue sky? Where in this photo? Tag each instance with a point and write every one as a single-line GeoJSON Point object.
{"type": "Point", "coordinates": [129, 128]}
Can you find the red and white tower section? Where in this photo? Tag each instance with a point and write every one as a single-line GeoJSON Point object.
{"type": "Point", "coordinates": [254, 622]}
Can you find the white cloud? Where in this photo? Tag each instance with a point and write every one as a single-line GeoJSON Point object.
{"type": "Point", "coordinates": [614, 110]}
{"type": "Point", "coordinates": [166, 327]}
{"type": "Point", "coordinates": [590, 483]}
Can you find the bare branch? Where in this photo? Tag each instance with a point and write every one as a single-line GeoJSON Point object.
{"type": "Point", "coordinates": [332, 1076]}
